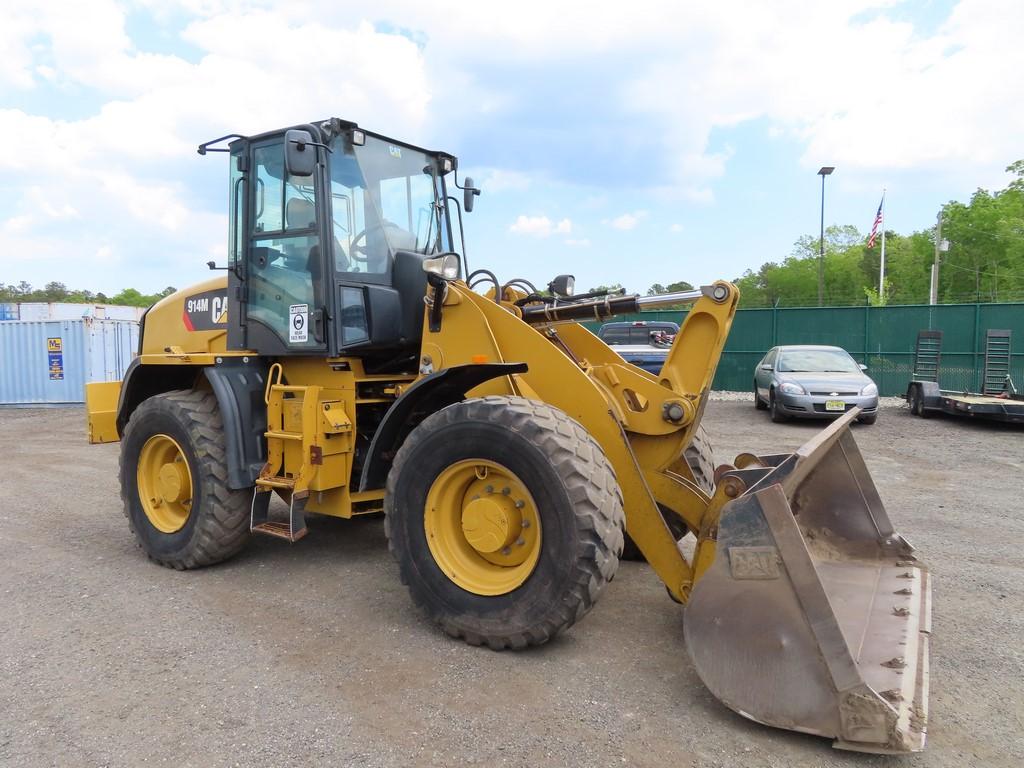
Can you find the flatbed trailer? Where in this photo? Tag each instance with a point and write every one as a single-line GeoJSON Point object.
{"type": "Point", "coordinates": [999, 402]}
{"type": "Point", "coordinates": [925, 397]}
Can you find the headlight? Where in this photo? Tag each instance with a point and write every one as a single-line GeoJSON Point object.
{"type": "Point", "coordinates": [563, 285]}
{"type": "Point", "coordinates": [870, 389]}
{"type": "Point", "coordinates": [791, 389]}
{"type": "Point", "coordinates": [446, 266]}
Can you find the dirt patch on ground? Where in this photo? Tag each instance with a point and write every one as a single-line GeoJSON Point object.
{"type": "Point", "coordinates": [312, 654]}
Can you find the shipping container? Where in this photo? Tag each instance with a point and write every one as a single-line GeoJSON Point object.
{"type": "Point", "coordinates": [61, 310]}
{"type": "Point", "coordinates": [50, 362]}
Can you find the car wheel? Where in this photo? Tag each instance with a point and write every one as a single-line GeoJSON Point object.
{"type": "Point", "coordinates": [773, 409]}
{"type": "Point", "coordinates": [758, 402]}
{"type": "Point", "coordinates": [869, 418]}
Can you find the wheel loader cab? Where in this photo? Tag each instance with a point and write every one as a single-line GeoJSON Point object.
{"type": "Point", "coordinates": [330, 226]}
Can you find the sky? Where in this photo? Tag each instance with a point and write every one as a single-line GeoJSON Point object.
{"type": "Point", "coordinates": [635, 143]}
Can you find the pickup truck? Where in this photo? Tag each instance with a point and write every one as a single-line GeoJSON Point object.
{"type": "Point", "coordinates": [644, 344]}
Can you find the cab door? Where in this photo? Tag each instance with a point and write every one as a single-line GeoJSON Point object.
{"type": "Point", "coordinates": [278, 275]}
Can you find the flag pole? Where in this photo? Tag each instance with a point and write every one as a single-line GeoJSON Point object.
{"type": "Point", "coordinates": [881, 265]}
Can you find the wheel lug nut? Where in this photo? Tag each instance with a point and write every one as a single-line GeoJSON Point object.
{"type": "Point", "coordinates": [506, 490]}
{"type": "Point", "coordinates": [520, 504]}
{"type": "Point", "coordinates": [520, 541]}
{"type": "Point", "coordinates": [489, 489]}
{"type": "Point", "coordinates": [506, 551]}
{"type": "Point", "coordinates": [526, 523]}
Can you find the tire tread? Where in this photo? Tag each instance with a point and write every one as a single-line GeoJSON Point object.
{"type": "Point", "coordinates": [222, 528]}
{"type": "Point", "coordinates": [590, 483]}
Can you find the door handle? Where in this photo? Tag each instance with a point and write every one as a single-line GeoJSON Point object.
{"type": "Point", "coordinates": [317, 318]}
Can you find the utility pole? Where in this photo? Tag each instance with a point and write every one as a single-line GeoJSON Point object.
{"type": "Point", "coordinates": [941, 246]}
{"type": "Point", "coordinates": [823, 172]}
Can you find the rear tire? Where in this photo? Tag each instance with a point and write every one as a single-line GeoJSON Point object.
{"type": "Point", "coordinates": [577, 501]}
{"type": "Point", "coordinates": [758, 402]}
{"type": "Point", "coordinates": [214, 522]}
{"type": "Point", "coordinates": [773, 409]}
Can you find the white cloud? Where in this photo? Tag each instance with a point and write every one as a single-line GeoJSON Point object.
{"type": "Point", "coordinates": [581, 243]}
{"type": "Point", "coordinates": [675, 228]}
{"type": "Point", "coordinates": [106, 126]}
{"type": "Point", "coordinates": [108, 181]}
{"type": "Point", "coordinates": [627, 221]}
{"type": "Point", "coordinates": [496, 180]}
{"type": "Point", "coordinates": [540, 226]}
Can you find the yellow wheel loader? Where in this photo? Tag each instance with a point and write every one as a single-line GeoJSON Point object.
{"type": "Point", "coordinates": [349, 362]}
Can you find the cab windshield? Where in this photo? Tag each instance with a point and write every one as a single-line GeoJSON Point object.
{"type": "Point", "coordinates": [384, 198]}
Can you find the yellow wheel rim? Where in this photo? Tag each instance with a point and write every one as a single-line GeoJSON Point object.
{"type": "Point", "coordinates": [482, 527]}
{"type": "Point", "coordinates": [164, 483]}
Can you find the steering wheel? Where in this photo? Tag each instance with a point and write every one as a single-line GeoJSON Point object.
{"type": "Point", "coordinates": [357, 251]}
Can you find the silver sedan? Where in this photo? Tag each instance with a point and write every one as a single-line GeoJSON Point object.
{"type": "Point", "coordinates": [813, 382]}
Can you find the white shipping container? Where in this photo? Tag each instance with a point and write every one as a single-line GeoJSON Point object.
{"type": "Point", "coordinates": [51, 361]}
{"type": "Point", "coordinates": [59, 310]}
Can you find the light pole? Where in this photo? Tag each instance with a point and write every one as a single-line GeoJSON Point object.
{"type": "Point", "coordinates": [824, 171]}
{"type": "Point", "coordinates": [941, 246]}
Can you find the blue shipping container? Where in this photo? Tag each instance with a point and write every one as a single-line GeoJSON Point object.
{"type": "Point", "coordinates": [51, 361]}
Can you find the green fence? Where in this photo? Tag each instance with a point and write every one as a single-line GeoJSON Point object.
{"type": "Point", "coordinates": [882, 338]}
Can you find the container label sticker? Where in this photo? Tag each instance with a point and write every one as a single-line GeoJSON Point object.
{"type": "Point", "coordinates": [206, 311]}
{"type": "Point", "coordinates": [298, 322]}
{"type": "Point", "coordinates": [55, 358]}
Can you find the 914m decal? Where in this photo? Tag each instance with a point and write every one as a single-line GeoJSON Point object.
{"type": "Point", "coordinates": [207, 311]}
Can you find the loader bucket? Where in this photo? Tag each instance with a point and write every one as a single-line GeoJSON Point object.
{"type": "Point", "coordinates": [815, 615]}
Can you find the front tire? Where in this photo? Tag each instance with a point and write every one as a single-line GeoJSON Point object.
{"type": "Point", "coordinates": [173, 469]}
{"type": "Point", "coordinates": [458, 494]}
{"type": "Point", "coordinates": [773, 409]}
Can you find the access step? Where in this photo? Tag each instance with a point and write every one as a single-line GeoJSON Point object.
{"type": "Point", "coordinates": [292, 529]}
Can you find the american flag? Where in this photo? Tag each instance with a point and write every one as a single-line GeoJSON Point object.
{"type": "Point", "coordinates": [878, 221]}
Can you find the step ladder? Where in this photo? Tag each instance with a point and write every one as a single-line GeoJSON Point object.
{"type": "Point", "coordinates": [927, 356]}
{"type": "Point", "coordinates": [997, 362]}
{"type": "Point", "coordinates": [282, 402]}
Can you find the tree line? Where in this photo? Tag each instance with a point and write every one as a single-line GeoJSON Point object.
{"type": "Point", "coordinates": [984, 261]}
{"type": "Point", "coordinates": [55, 291]}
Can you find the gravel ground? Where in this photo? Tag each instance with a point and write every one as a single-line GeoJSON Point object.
{"type": "Point", "coordinates": [311, 654]}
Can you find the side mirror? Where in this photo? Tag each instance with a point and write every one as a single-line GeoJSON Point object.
{"type": "Point", "coordinates": [468, 193]}
{"type": "Point", "coordinates": [562, 286]}
{"type": "Point", "coordinates": [299, 153]}
{"type": "Point", "coordinates": [862, 366]}
{"type": "Point", "coordinates": [766, 367]}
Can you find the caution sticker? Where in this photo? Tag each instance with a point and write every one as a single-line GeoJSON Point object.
{"type": "Point", "coordinates": [298, 323]}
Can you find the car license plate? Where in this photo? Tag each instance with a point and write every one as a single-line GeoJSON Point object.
{"type": "Point", "coordinates": [835, 405]}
